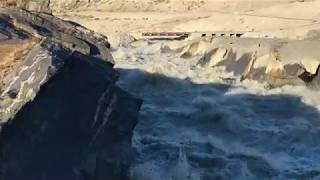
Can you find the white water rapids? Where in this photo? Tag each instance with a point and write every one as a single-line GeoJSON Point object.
{"type": "Point", "coordinates": [195, 126]}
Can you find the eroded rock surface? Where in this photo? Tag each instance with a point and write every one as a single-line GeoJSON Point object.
{"type": "Point", "coordinates": [274, 61]}
{"type": "Point", "coordinates": [45, 6]}
{"type": "Point", "coordinates": [31, 5]}
{"type": "Point", "coordinates": [61, 113]}
{"type": "Point", "coordinates": [58, 5]}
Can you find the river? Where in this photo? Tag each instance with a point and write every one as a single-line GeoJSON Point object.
{"type": "Point", "coordinates": [195, 125]}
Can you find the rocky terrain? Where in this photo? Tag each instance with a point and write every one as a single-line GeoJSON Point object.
{"type": "Point", "coordinates": [274, 62]}
{"type": "Point", "coordinates": [277, 47]}
{"type": "Point", "coordinates": [216, 105]}
{"type": "Point", "coordinates": [61, 114]}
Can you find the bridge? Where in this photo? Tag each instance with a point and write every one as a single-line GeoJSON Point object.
{"type": "Point", "coordinates": [183, 35]}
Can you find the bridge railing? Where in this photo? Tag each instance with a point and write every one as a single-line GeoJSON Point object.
{"type": "Point", "coordinates": [200, 34]}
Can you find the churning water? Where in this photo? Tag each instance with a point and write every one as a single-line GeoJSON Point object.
{"type": "Point", "coordinates": [194, 126]}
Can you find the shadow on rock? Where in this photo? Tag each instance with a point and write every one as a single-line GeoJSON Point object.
{"type": "Point", "coordinates": [78, 121]}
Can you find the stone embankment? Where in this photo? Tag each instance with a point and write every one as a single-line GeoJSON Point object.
{"type": "Point", "coordinates": [274, 61]}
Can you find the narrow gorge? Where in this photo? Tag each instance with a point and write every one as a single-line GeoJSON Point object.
{"type": "Point", "coordinates": [109, 90]}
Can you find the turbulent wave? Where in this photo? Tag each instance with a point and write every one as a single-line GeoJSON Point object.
{"type": "Point", "coordinates": [195, 125]}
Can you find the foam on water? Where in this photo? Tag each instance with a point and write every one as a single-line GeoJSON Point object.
{"type": "Point", "coordinates": [195, 126]}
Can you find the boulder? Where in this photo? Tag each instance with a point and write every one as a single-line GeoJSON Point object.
{"type": "Point", "coordinates": [61, 113]}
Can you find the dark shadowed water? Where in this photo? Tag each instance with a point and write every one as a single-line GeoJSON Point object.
{"type": "Point", "coordinates": [194, 126]}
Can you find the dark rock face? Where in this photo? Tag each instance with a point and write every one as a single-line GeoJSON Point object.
{"type": "Point", "coordinates": [62, 116]}
{"type": "Point", "coordinates": [75, 117]}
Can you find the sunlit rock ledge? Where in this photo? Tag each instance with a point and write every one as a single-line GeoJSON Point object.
{"type": "Point", "coordinates": [276, 62]}
{"type": "Point", "coordinates": [61, 113]}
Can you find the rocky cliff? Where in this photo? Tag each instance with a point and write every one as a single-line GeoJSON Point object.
{"type": "Point", "coordinates": [61, 114]}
